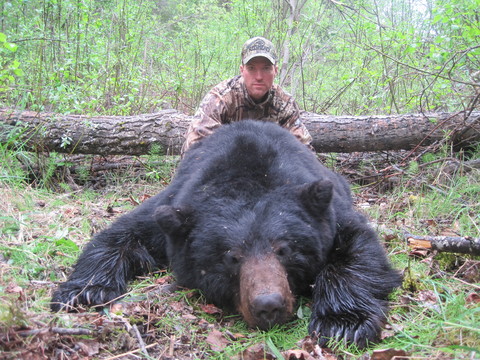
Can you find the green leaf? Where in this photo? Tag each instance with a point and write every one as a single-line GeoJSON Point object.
{"type": "Point", "coordinates": [66, 244]}
{"type": "Point", "coordinates": [300, 312]}
{"type": "Point", "coordinates": [273, 348]}
{"type": "Point", "coordinates": [10, 46]}
{"type": "Point", "coordinates": [409, 49]}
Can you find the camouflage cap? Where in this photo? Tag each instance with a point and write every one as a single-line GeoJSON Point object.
{"type": "Point", "coordinates": [259, 46]}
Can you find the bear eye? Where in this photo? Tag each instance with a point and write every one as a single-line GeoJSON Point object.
{"type": "Point", "coordinates": [283, 250]}
{"type": "Point", "coordinates": [231, 258]}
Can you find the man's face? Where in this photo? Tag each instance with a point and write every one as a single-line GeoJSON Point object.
{"type": "Point", "coordinates": [258, 75]}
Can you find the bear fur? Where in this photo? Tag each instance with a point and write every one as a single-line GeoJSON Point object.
{"type": "Point", "coordinates": [253, 220]}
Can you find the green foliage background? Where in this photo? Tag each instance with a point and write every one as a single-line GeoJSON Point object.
{"type": "Point", "coordinates": [125, 57]}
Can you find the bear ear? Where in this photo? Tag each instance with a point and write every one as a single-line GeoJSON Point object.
{"type": "Point", "coordinates": [174, 221]}
{"type": "Point", "coordinates": [316, 196]}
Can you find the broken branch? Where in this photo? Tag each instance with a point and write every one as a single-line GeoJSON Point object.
{"type": "Point", "coordinates": [455, 244]}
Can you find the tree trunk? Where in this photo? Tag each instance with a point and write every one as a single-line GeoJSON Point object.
{"type": "Point", "coordinates": [294, 9]}
{"type": "Point", "coordinates": [162, 132]}
{"type": "Point", "coordinates": [391, 132]}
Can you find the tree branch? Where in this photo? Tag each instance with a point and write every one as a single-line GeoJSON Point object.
{"type": "Point", "coordinates": [428, 72]}
{"type": "Point", "coordinates": [455, 244]}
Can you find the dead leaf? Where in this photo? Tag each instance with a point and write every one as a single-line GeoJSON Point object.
{"type": "Point", "coordinates": [469, 271]}
{"type": "Point", "coordinates": [89, 347]}
{"type": "Point", "coordinates": [237, 336]}
{"type": "Point", "coordinates": [308, 344]}
{"type": "Point", "coordinates": [419, 252]}
{"type": "Point", "coordinates": [98, 321]}
{"type": "Point", "coordinates": [71, 212]}
{"type": "Point", "coordinates": [217, 341]}
{"type": "Point", "coordinates": [177, 306]}
{"type": "Point", "coordinates": [426, 296]}
{"type": "Point", "coordinates": [204, 324]}
{"type": "Point", "coordinates": [145, 197]}
{"type": "Point", "coordinates": [190, 317]}
{"type": "Point", "coordinates": [390, 237]}
{"type": "Point", "coordinates": [389, 354]}
{"type": "Point", "coordinates": [257, 352]}
{"type": "Point", "coordinates": [111, 210]}
{"type": "Point", "coordinates": [164, 280]}
{"type": "Point", "coordinates": [13, 288]}
{"type": "Point", "coordinates": [297, 354]}
{"type": "Point", "coordinates": [473, 298]}
{"type": "Point", "coordinates": [116, 308]}
{"type": "Point", "coordinates": [327, 355]}
{"type": "Point", "coordinates": [210, 309]}
{"type": "Point", "coordinates": [386, 334]}
{"type": "Point", "coordinates": [450, 231]}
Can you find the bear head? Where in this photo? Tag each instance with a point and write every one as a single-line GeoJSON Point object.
{"type": "Point", "coordinates": [252, 256]}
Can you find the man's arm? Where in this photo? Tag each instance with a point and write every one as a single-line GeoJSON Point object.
{"type": "Point", "coordinates": [206, 120]}
{"type": "Point", "coordinates": [301, 132]}
{"type": "Point", "coordinates": [290, 120]}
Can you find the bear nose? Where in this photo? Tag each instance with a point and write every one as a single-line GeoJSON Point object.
{"type": "Point", "coordinates": [268, 309]}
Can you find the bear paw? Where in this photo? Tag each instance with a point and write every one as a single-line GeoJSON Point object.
{"type": "Point", "coordinates": [71, 295]}
{"type": "Point", "coordinates": [338, 328]}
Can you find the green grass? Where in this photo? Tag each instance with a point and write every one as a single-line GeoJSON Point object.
{"type": "Point", "coordinates": [452, 207]}
{"type": "Point", "coordinates": [434, 315]}
{"type": "Point", "coordinates": [442, 323]}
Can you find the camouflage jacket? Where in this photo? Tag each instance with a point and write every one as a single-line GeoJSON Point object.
{"type": "Point", "coordinates": [229, 101]}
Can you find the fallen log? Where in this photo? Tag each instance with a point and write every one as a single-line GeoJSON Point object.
{"type": "Point", "coordinates": [162, 132]}
{"type": "Point", "coordinates": [453, 244]}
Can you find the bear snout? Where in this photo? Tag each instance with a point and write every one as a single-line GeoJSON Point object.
{"type": "Point", "coordinates": [265, 295]}
{"type": "Point", "coordinates": [268, 310]}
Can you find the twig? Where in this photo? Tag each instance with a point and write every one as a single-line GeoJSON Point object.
{"type": "Point", "coordinates": [141, 343]}
{"type": "Point", "coordinates": [423, 71]}
{"type": "Point", "coordinates": [467, 283]}
{"type": "Point", "coordinates": [134, 329]}
{"type": "Point", "coordinates": [171, 347]}
{"type": "Point", "coordinates": [456, 244]}
{"type": "Point", "coordinates": [130, 352]}
{"type": "Point", "coordinates": [54, 330]}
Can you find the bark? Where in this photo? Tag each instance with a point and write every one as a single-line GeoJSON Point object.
{"type": "Point", "coordinates": [103, 135]}
{"type": "Point", "coordinates": [163, 132]}
{"type": "Point", "coordinates": [55, 330]}
{"type": "Point", "coordinates": [454, 244]}
{"type": "Point", "coordinates": [391, 132]}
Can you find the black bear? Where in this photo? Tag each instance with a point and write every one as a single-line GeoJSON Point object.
{"type": "Point", "coordinates": [253, 220]}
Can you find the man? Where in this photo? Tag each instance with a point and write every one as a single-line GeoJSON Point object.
{"type": "Point", "coordinates": [250, 95]}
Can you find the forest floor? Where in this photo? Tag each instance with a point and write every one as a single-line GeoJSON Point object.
{"type": "Point", "coordinates": [435, 315]}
